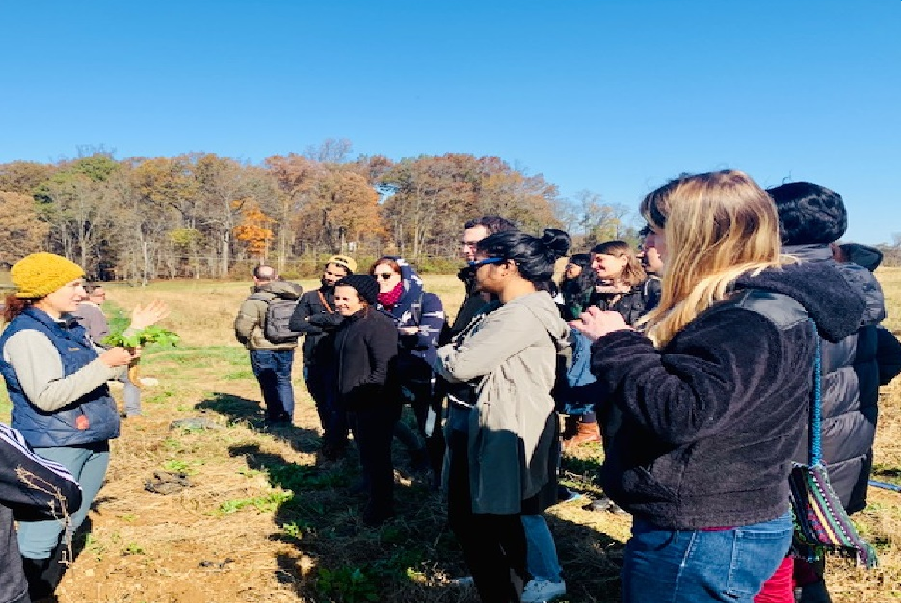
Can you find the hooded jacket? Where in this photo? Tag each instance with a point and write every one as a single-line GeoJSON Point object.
{"type": "Point", "coordinates": [252, 315]}
{"type": "Point", "coordinates": [711, 421]}
{"type": "Point", "coordinates": [512, 354]}
{"type": "Point", "coordinates": [851, 377]}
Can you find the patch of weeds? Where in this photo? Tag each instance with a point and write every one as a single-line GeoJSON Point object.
{"type": "Point", "coordinates": [304, 477]}
{"type": "Point", "coordinates": [238, 375]}
{"type": "Point", "coordinates": [134, 549]}
{"type": "Point", "coordinates": [172, 444]}
{"type": "Point", "coordinates": [250, 472]}
{"type": "Point", "coordinates": [295, 529]}
{"type": "Point", "coordinates": [94, 547]}
{"type": "Point", "coordinates": [268, 503]}
{"type": "Point", "coordinates": [160, 397]}
{"type": "Point", "coordinates": [347, 584]}
{"type": "Point", "coordinates": [400, 564]}
{"type": "Point", "coordinates": [129, 517]}
{"type": "Point", "coordinates": [177, 466]}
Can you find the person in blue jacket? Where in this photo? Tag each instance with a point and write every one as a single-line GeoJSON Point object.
{"type": "Point", "coordinates": [57, 383]}
{"type": "Point", "coordinates": [420, 319]}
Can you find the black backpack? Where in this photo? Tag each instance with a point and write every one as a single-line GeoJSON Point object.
{"type": "Point", "coordinates": [275, 324]}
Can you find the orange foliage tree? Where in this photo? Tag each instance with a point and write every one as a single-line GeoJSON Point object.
{"type": "Point", "coordinates": [254, 231]}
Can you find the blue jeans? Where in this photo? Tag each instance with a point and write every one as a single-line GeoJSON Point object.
{"type": "Point", "coordinates": [272, 368]}
{"type": "Point", "coordinates": [541, 554]}
{"type": "Point", "coordinates": [131, 397]}
{"type": "Point", "coordinates": [689, 566]}
{"type": "Point", "coordinates": [88, 465]}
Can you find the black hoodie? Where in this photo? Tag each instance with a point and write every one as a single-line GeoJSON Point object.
{"type": "Point", "coordinates": [712, 420]}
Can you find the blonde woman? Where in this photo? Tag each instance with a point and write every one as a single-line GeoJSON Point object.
{"type": "Point", "coordinates": [714, 396]}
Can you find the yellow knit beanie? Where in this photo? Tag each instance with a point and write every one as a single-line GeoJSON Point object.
{"type": "Point", "coordinates": [40, 274]}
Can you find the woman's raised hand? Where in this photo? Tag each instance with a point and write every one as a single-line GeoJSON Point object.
{"type": "Point", "coordinates": [152, 313]}
{"type": "Point", "coordinates": [595, 323]}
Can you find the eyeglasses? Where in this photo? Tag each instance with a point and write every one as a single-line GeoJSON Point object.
{"type": "Point", "coordinates": [384, 275]}
{"type": "Point", "coordinates": [475, 265]}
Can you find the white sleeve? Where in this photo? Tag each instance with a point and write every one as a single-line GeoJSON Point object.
{"type": "Point", "coordinates": [39, 369]}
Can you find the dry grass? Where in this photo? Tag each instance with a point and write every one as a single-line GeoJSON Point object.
{"type": "Point", "coordinates": [239, 535]}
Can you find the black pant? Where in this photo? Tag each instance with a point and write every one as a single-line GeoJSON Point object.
{"type": "Point", "coordinates": [426, 398]}
{"type": "Point", "coordinates": [373, 431]}
{"type": "Point", "coordinates": [494, 546]}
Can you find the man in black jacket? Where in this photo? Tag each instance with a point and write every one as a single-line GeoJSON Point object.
{"type": "Point", "coordinates": [812, 218]}
{"type": "Point", "coordinates": [316, 317]}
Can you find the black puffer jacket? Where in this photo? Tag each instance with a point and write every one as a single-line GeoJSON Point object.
{"type": "Point", "coordinates": [711, 421]}
{"type": "Point", "coordinates": [851, 378]}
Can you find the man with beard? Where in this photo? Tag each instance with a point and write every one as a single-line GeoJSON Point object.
{"type": "Point", "coordinates": [316, 317]}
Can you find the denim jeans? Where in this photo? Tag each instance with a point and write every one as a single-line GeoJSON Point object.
{"type": "Point", "coordinates": [272, 368]}
{"type": "Point", "coordinates": [88, 465]}
{"type": "Point", "coordinates": [689, 566]}
{"type": "Point", "coordinates": [131, 397]}
{"type": "Point", "coordinates": [541, 554]}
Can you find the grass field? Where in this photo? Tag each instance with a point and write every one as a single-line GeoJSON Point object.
{"type": "Point", "coordinates": [267, 519]}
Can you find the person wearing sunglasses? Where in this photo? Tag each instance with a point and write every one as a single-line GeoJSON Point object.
{"type": "Point", "coordinates": [420, 319]}
{"type": "Point", "coordinates": [503, 436]}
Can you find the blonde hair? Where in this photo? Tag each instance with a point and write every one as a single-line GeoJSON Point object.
{"type": "Point", "coordinates": [633, 273]}
{"type": "Point", "coordinates": [717, 226]}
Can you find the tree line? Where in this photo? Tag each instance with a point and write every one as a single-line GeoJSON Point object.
{"type": "Point", "coordinates": [201, 215]}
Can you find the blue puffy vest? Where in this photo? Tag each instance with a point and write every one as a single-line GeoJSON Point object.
{"type": "Point", "coordinates": [58, 428]}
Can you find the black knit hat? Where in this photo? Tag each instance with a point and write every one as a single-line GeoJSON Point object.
{"type": "Point", "coordinates": [366, 286]}
{"type": "Point", "coordinates": [809, 214]}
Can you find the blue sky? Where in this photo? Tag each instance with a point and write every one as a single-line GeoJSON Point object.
{"type": "Point", "coordinates": [610, 97]}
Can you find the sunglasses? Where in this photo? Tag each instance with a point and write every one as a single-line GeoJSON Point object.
{"type": "Point", "coordinates": [384, 275]}
{"type": "Point", "coordinates": [475, 265]}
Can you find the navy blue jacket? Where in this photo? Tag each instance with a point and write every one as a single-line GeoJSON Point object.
{"type": "Point", "coordinates": [45, 429]}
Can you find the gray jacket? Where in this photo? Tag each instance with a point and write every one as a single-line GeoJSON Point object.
{"type": "Point", "coordinates": [252, 316]}
{"type": "Point", "coordinates": [511, 355]}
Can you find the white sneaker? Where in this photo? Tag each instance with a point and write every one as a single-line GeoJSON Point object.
{"type": "Point", "coordinates": [542, 591]}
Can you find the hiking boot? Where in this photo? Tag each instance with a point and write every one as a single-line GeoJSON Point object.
{"type": "Point", "coordinates": [585, 433]}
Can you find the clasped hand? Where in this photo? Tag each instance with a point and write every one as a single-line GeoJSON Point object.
{"type": "Point", "coordinates": [595, 323]}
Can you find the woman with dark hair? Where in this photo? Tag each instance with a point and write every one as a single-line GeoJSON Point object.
{"type": "Point", "coordinates": [503, 434]}
{"type": "Point", "coordinates": [57, 382]}
{"type": "Point", "coordinates": [714, 394]}
{"type": "Point", "coordinates": [365, 344]}
{"type": "Point", "coordinates": [419, 317]}
{"type": "Point", "coordinates": [578, 285]}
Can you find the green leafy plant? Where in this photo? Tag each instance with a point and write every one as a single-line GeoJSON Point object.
{"type": "Point", "coordinates": [140, 338]}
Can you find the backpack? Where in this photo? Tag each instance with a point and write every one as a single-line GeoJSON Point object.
{"type": "Point", "coordinates": [275, 323]}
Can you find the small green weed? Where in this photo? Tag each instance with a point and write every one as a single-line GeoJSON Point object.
{"type": "Point", "coordinates": [347, 584]}
{"type": "Point", "coordinates": [134, 549]}
{"type": "Point", "coordinates": [264, 504]}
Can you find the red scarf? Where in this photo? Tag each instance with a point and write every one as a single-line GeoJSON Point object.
{"type": "Point", "coordinates": [388, 300]}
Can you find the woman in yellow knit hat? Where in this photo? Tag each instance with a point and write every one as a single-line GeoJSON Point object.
{"type": "Point", "coordinates": [56, 379]}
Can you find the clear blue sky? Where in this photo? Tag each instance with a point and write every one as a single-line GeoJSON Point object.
{"type": "Point", "coordinates": [610, 97]}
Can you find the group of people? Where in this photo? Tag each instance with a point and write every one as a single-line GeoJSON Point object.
{"type": "Point", "coordinates": [698, 352]}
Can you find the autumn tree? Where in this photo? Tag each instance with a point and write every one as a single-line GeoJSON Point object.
{"type": "Point", "coordinates": [21, 230]}
{"type": "Point", "coordinates": [255, 232]}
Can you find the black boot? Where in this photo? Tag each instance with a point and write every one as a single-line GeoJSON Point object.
{"type": "Point", "coordinates": [43, 575]}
